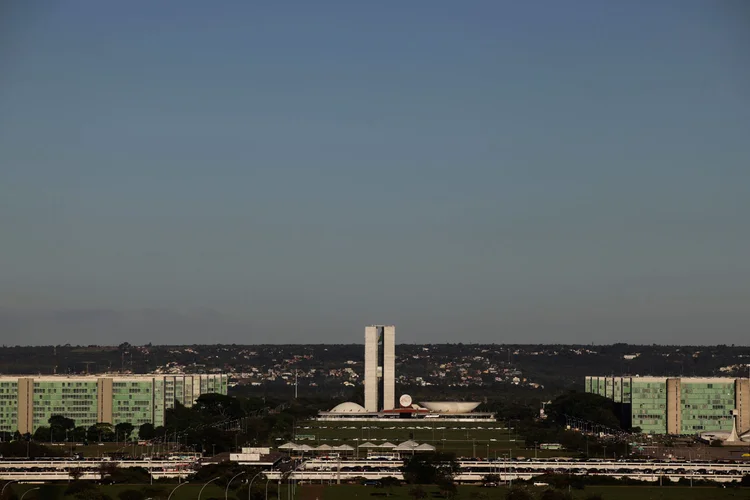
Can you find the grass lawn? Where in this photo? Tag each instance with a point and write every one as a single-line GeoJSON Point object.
{"type": "Point", "coordinates": [466, 439]}
{"type": "Point", "coordinates": [161, 491]}
{"type": "Point", "coordinates": [346, 492]}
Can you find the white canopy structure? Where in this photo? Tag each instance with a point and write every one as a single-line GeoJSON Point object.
{"type": "Point", "coordinates": [424, 447]}
{"type": "Point", "coordinates": [368, 445]}
{"type": "Point", "coordinates": [406, 446]}
{"type": "Point", "coordinates": [387, 445]}
{"type": "Point", "coordinates": [288, 446]}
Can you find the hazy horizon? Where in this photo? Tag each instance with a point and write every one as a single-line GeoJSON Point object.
{"type": "Point", "coordinates": [483, 172]}
{"type": "Point", "coordinates": [354, 343]}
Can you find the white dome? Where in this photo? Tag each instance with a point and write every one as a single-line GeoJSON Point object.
{"type": "Point", "coordinates": [450, 406]}
{"type": "Point", "coordinates": [348, 407]}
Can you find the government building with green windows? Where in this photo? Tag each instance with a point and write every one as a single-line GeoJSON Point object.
{"type": "Point", "coordinates": [677, 405]}
{"type": "Point", "coordinates": [27, 402]}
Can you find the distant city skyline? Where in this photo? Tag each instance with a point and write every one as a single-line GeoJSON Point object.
{"type": "Point", "coordinates": [510, 172]}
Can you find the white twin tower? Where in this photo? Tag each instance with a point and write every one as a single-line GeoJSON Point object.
{"type": "Point", "coordinates": [380, 368]}
{"type": "Point", "coordinates": [380, 389]}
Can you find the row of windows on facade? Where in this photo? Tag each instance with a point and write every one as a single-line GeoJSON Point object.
{"type": "Point", "coordinates": [662, 406]}
{"type": "Point", "coordinates": [708, 417]}
{"type": "Point", "coordinates": [48, 402]}
{"type": "Point", "coordinates": [135, 403]}
{"type": "Point", "coordinates": [72, 414]}
{"type": "Point", "coordinates": [66, 390]}
{"type": "Point", "coordinates": [708, 401]}
{"type": "Point", "coordinates": [707, 392]}
{"type": "Point", "coordinates": [63, 409]}
{"type": "Point", "coordinates": [648, 416]}
{"type": "Point", "coordinates": [73, 409]}
{"type": "Point", "coordinates": [68, 384]}
{"type": "Point", "coordinates": [71, 396]}
{"type": "Point", "coordinates": [83, 422]}
{"type": "Point", "coordinates": [709, 407]}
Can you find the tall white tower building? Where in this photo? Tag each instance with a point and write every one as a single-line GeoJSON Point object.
{"type": "Point", "coordinates": [380, 367]}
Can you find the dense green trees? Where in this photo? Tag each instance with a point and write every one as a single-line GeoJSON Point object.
{"type": "Point", "coordinates": [585, 406]}
{"type": "Point", "coordinates": [100, 433]}
{"type": "Point", "coordinates": [24, 448]}
{"type": "Point", "coordinates": [61, 427]}
{"type": "Point", "coordinates": [146, 431]}
{"type": "Point", "coordinates": [430, 468]}
{"type": "Point", "coordinates": [123, 431]}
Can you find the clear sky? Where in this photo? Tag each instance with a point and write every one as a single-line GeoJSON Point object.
{"type": "Point", "coordinates": [290, 171]}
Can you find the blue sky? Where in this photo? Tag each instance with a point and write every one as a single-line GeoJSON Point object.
{"type": "Point", "coordinates": [487, 171]}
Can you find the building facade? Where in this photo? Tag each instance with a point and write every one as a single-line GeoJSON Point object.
{"type": "Point", "coordinates": [380, 368]}
{"type": "Point", "coordinates": [27, 402]}
{"type": "Point", "coordinates": [678, 405]}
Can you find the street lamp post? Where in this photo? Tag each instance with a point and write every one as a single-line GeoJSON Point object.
{"type": "Point", "coordinates": [204, 486]}
{"type": "Point", "coordinates": [175, 489]}
{"type": "Point", "coordinates": [250, 486]}
{"type": "Point", "coordinates": [6, 485]}
{"type": "Point", "coordinates": [507, 471]}
{"type": "Point", "coordinates": [226, 490]}
{"type": "Point", "coordinates": [510, 469]}
{"type": "Point", "coordinates": [267, 481]}
{"type": "Point", "coordinates": [27, 492]}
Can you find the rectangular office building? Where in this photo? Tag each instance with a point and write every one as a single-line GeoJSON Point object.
{"type": "Point", "coordinates": [678, 405]}
{"type": "Point", "coordinates": [27, 402]}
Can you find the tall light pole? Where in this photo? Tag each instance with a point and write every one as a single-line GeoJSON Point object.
{"type": "Point", "coordinates": [267, 481]}
{"type": "Point", "coordinates": [510, 468]}
{"type": "Point", "coordinates": [6, 485]}
{"type": "Point", "coordinates": [27, 492]}
{"type": "Point", "coordinates": [281, 480]}
{"type": "Point", "coordinates": [250, 486]}
{"type": "Point", "coordinates": [204, 486]}
{"type": "Point", "coordinates": [507, 470]}
{"type": "Point", "coordinates": [226, 490]}
{"type": "Point", "coordinates": [175, 489]}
